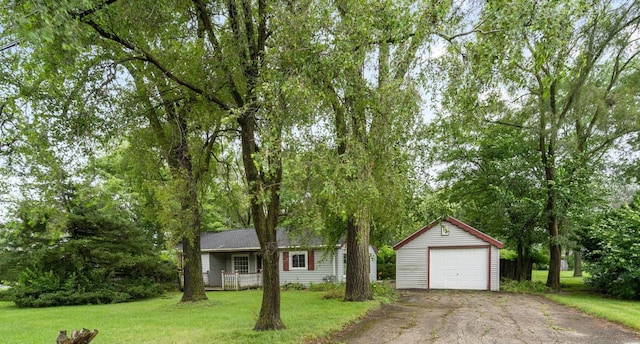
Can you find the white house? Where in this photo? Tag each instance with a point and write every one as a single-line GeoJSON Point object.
{"type": "Point", "coordinates": [448, 254]}
{"type": "Point", "coordinates": [233, 257]}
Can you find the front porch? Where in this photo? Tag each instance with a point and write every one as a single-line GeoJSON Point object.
{"type": "Point", "coordinates": [239, 281]}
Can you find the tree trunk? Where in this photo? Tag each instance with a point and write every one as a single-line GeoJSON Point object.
{"type": "Point", "coordinates": [553, 279]}
{"type": "Point", "coordinates": [182, 170]}
{"type": "Point", "coordinates": [269, 318]}
{"type": "Point", "coordinates": [83, 336]}
{"type": "Point", "coordinates": [555, 255]}
{"type": "Point", "coordinates": [193, 281]}
{"type": "Point", "coordinates": [264, 192]}
{"type": "Point", "coordinates": [519, 262]}
{"type": "Point", "coordinates": [174, 145]}
{"type": "Point", "coordinates": [358, 286]}
{"type": "Point", "coordinates": [577, 263]}
{"type": "Point", "coordinates": [523, 263]}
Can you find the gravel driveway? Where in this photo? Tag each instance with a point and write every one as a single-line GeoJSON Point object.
{"type": "Point", "coordinates": [480, 317]}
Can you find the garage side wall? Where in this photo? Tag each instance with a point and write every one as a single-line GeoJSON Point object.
{"type": "Point", "coordinates": [495, 268]}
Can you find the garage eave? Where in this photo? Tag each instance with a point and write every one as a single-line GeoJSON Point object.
{"type": "Point", "coordinates": [454, 222]}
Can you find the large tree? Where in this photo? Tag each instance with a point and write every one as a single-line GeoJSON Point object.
{"type": "Point", "coordinates": [563, 67]}
{"type": "Point", "coordinates": [491, 175]}
{"type": "Point", "coordinates": [194, 65]}
{"type": "Point", "coordinates": [364, 67]}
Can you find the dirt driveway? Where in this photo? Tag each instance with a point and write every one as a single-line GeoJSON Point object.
{"type": "Point", "coordinates": [480, 317]}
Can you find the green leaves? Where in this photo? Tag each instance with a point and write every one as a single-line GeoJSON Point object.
{"type": "Point", "coordinates": [613, 252]}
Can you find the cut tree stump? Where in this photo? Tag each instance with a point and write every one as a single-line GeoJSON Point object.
{"type": "Point", "coordinates": [83, 336]}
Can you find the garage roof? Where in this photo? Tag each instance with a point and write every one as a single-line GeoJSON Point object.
{"type": "Point", "coordinates": [454, 222]}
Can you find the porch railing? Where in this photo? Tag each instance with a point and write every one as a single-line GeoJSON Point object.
{"type": "Point", "coordinates": [239, 281]}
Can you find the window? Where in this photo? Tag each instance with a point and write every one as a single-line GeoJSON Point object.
{"type": "Point", "coordinates": [444, 231]}
{"type": "Point", "coordinates": [241, 264]}
{"type": "Point", "coordinates": [298, 260]}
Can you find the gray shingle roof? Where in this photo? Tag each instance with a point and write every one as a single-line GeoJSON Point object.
{"type": "Point", "coordinates": [247, 239]}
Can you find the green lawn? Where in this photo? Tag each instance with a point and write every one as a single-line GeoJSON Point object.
{"type": "Point", "coordinates": [228, 317]}
{"type": "Point", "coordinates": [575, 294]}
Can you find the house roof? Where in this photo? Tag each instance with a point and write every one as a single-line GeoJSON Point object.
{"type": "Point", "coordinates": [454, 222]}
{"type": "Point", "coordinates": [247, 240]}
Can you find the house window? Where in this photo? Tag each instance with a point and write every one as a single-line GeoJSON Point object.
{"type": "Point", "coordinates": [241, 264]}
{"type": "Point", "coordinates": [298, 260]}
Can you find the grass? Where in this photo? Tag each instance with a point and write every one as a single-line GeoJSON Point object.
{"type": "Point", "coordinates": [228, 317]}
{"type": "Point", "coordinates": [568, 283]}
{"type": "Point", "coordinates": [575, 294]}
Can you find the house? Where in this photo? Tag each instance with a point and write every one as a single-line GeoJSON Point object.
{"type": "Point", "coordinates": [448, 254]}
{"type": "Point", "coordinates": [233, 257]}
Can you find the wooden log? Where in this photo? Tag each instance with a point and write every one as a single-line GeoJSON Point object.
{"type": "Point", "coordinates": [83, 336]}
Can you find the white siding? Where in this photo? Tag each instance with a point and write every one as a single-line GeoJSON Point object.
{"type": "Point", "coordinates": [373, 264]}
{"type": "Point", "coordinates": [411, 268]}
{"type": "Point", "coordinates": [217, 263]}
{"type": "Point", "coordinates": [433, 237]}
{"type": "Point", "coordinates": [341, 272]}
{"type": "Point", "coordinates": [204, 257]}
{"type": "Point", "coordinates": [495, 268]}
{"type": "Point", "coordinates": [322, 269]}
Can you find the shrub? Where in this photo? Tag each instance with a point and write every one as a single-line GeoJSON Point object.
{"type": "Point", "coordinates": [386, 263]}
{"type": "Point", "coordinates": [325, 286]}
{"type": "Point", "coordinates": [293, 286]}
{"type": "Point", "coordinates": [384, 291]}
{"type": "Point", "coordinates": [613, 253]}
{"type": "Point", "coordinates": [99, 257]}
{"type": "Point", "coordinates": [523, 286]}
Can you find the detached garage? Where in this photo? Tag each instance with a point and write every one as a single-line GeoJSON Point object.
{"type": "Point", "coordinates": [448, 254]}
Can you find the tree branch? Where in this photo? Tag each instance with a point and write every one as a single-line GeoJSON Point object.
{"type": "Point", "coordinates": [146, 56]}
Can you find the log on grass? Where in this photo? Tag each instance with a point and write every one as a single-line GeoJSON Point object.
{"type": "Point", "coordinates": [83, 336]}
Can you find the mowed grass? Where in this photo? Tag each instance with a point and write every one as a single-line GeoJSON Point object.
{"type": "Point", "coordinates": [228, 317]}
{"type": "Point", "coordinates": [575, 294]}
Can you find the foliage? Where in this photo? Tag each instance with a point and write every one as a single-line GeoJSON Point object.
{"type": "Point", "coordinates": [558, 74]}
{"type": "Point", "coordinates": [165, 321]}
{"type": "Point", "coordinates": [612, 250]}
{"type": "Point", "coordinates": [386, 263]}
{"type": "Point", "coordinates": [384, 291]}
{"type": "Point", "coordinates": [293, 286]}
{"type": "Point", "coordinates": [523, 287]}
{"type": "Point", "coordinates": [99, 255]}
{"type": "Point", "coordinates": [325, 286]}
{"type": "Point", "coordinates": [5, 295]}
{"type": "Point", "coordinates": [538, 256]}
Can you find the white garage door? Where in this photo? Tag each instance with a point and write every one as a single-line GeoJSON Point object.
{"type": "Point", "coordinates": [465, 268]}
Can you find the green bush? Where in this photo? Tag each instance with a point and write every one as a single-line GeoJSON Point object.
{"type": "Point", "coordinates": [386, 263]}
{"type": "Point", "coordinates": [613, 253]}
{"type": "Point", "coordinates": [384, 291]}
{"type": "Point", "coordinates": [98, 257]}
{"type": "Point", "coordinates": [523, 286]}
{"type": "Point", "coordinates": [293, 286]}
{"type": "Point", "coordinates": [325, 286]}
{"type": "Point", "coordinates": [5, 295]}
